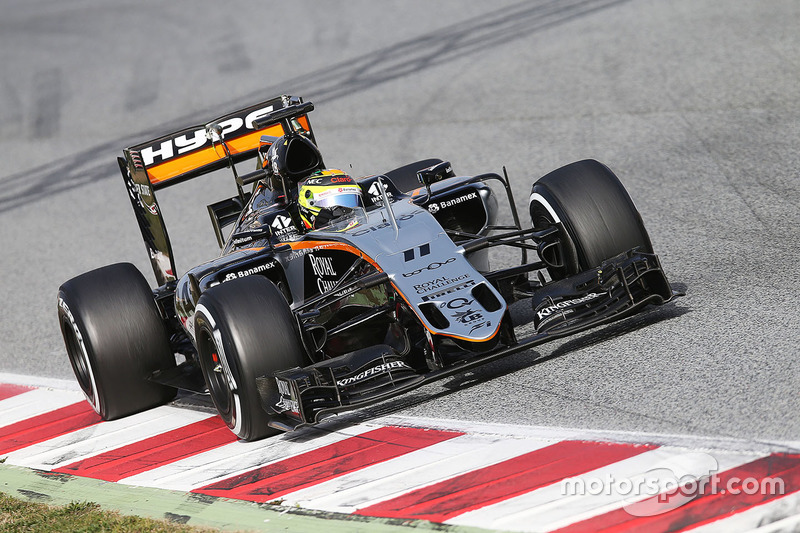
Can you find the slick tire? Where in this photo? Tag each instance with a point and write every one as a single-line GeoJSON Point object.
{"type": "Point", "coordinates": [115, 339]}
{"type": "Point", "coordinates": [245, 329]}
{"type": "Point", "coordinates": [598, 217]}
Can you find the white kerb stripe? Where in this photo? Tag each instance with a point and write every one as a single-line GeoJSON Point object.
{"type": "Point", "coordinates": [780, 514]}
{"type": "Point", "coordinates": [34, 403]}
{"type": "Point", "coordinates": [552, 507]}
{"type": "Point", "coordinates": [239, 457]}
{"type": "Point", "coordinates": [94, 440]}
{"type": "Point", "coordinates": [39, 382]}
{"type": "Point", "coordinates": [411, 471]}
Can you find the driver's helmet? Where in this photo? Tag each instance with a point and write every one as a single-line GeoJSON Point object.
{"type": "Point", "coordinates": [327, 189]}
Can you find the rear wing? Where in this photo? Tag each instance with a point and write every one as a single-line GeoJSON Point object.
{"type": "Point", "coordinates": [197, 150]}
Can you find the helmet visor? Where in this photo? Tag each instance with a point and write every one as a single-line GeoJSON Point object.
{"type": "Point", "coordinates": [344, 199]}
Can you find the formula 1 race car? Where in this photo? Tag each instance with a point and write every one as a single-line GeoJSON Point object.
{"type": "Point", "coordinates": [331, 293]}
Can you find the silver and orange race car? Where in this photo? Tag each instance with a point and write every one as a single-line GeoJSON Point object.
{"type": "Point", "coordinates": [333, 292]}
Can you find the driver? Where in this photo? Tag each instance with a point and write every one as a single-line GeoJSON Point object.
{"type": "Point", "coordinates": [327, 195]}
{"type": "Point", "coordinates": [312, 195]}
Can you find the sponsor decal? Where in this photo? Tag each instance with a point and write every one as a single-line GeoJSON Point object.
{"type": "Point", "coordinates": [281, 222]}
{"type": "Point", "coordinates": [287, 401]}
{"type": "Point", "coordinates": [138, 193]}
{"type": "Point", "coordinates": [382, 225]}
{"type": "Point", "coordinates": [449, 290]}
{"type": "Point", "coordinates": [467, 317]}
{"type": "Point", "coordinates": [346, 292]}
{"type": "Point", "coordinates": [322, 266]}
{"type": "Point", "coordinates": [142, 190]}
{"type": "Point", "coordinates": [479, 325]}
{"type": "Point", "coordinates": [379, 369]}
{"type": "Point", "coordinates": [457, 303]}
{"type": "Point", "coordinates": [560, 306]}
{"type": "Point", "coordinates": [375, 192]}
{"type": "Point", "coordinates": [324, 194]}
{"type": "Point", "coordinates": [324, 271]}
{"type": "Point", "coordinates": [438, 283]}
{"type": "Point", "coordinates": [248, 272]}
{"type": "Point", "coordinates": [232, 127]}
{"type": "Point", "coordinates": [242, 240]}
{"type": "Point", "coordinates": [444, 204]}
{"type": "Point", "coordinates": [283, 228]}
{"type": "Point", "coordinates": [433, 266]}
{"type": "Point", "coordinates": [296, 254]}
{"type": "Point", "coordinates": [313, 181]}
{"type": "Point", "coordinates": [63, 305]}
{"type": "Point", "coordinates": [93, 399]}
{"type": "Point", "coordinates": [305, 251]}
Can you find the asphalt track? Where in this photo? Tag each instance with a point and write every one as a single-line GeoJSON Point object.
{"type": "Point", "coordinates": [693, 103]}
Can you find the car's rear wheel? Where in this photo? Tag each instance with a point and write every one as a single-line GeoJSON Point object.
{"type": "Point", "coordinates": [245, 329]}
{"type": "Point", "coordinates": [115, 339]}
{"type": "Point", "coordinates": [598, 217]}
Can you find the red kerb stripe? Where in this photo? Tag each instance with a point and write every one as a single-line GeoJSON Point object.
{"type": "Point", "coordinates": [154, 452]}
{"type": "Point", "coordinates": [272, 481]}
{"type": "Point", "coordinates": [47, 426]}
{"type": "Point", "coordinates": [709, 506]}
{"type": "Point", "coordinates": [503, 480]}
{"type": "Point", "coordinates": [7, 391]}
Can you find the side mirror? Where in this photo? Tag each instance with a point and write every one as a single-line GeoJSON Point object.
{"type": "Point", "coordinates": [435, 173]}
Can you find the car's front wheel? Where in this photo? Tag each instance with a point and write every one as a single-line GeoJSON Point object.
{"type": "Point", "coordinates": [598, 217]}
{"type": "Point", "coordinates": [244, 329]}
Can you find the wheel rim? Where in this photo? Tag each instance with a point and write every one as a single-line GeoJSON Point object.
{"type": "Point", "coordinates": [79, 359]}
{"type": "Point", "coordinates": [554, 256]}
{"type": "Point", "coordinates": [217, 381]}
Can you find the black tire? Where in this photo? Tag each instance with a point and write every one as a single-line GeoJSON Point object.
{"type": "Point", "coordinates": [244, 329]}
{"type": "Point", "coordinates": [115, 340]}
{"type": "Point", "coordinates": [405, 177]}
{"type": "Point", "coordinates": [596, 212]}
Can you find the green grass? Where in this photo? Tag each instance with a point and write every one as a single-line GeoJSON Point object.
{"type": "Point", "coordinates": [18, 516]}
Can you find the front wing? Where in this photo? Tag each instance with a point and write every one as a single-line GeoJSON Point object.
{"type": "Point", "coordinates": [618, 288]}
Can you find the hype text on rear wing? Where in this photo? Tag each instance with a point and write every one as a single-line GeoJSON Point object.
{"type": "Point", "coordinates": [197, 150]}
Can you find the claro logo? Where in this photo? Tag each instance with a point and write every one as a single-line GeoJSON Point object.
{"type": "Point", "coordinates": [189, 141]}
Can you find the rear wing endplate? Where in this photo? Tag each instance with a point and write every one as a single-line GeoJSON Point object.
{"type": "Point", "coordinates": [194, 151]}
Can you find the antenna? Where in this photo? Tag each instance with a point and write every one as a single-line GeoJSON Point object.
{"type": "Point", "coordinates": [215, 134]}
{"type": "Point", "coordinates": [389, 210]}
